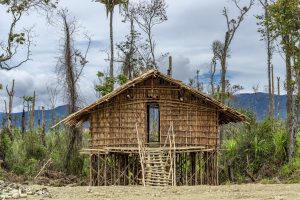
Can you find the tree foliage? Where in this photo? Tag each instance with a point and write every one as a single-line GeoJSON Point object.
{"type": "Point", "coordinates": [106, 83]}
{"type": "Point", "coordinates": [15, 10]}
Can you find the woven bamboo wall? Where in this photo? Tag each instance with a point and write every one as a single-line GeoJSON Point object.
{"type": "Point", "coordinates": [195, 122]}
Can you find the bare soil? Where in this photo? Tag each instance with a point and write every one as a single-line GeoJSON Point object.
{"type": "Point", "coordinates": [245, 191]}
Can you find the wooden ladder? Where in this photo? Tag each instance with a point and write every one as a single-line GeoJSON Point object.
{"type": "Point", "coordinates": [157, 168]}
{"type": "Point", "coordinates": [158, 164]}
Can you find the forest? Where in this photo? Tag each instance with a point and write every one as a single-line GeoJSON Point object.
{"type": "Point", "coordinates": [34, 148]}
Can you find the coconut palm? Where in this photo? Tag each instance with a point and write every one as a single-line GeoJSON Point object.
{"type": "Point", "coordinates": [110, 5]}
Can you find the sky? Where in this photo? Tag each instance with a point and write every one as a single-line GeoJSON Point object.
{"type": "Point", "coordinates": [187, 35]}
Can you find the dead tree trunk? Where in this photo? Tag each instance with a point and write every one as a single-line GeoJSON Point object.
{"type": "Point", "coordinates": [111, 63]}
{"type": "Point", "coordinates": [70, 72]}
{"type": "Point", "coordinates": [43, 134]}
{"type": "Point", "coordinates": [71, 88]}
{"type": "Point", "coordinates": [32, 113]}
{"type": "Point", "coordinates": [232, 27]}
{"type": "Point", "coordinates": [272, 104]}
{"type": "Point", "coordinates": [212, 75]}
{"type": "Point", "coordinates": [39, 118]}
{"type": "Point", "coordinates": [10, 94]}
{"type": "Point", "coordinates": [170, 69]}
{"type": "Point", "coordinates": [23, 126]}
{"type": "Point", "coordinates": [278, 98]}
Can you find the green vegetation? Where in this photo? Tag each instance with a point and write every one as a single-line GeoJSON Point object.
{"type": "Point", "coordinates": [257, 151]}
{"type": "Point", "coordinates": [26, 156]}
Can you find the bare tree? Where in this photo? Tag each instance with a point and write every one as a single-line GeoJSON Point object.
{"type": "Point", "coordinates": [29, 100]}
{"type": "Point", "coordinates": [255, 89]}
{"type": "Point", "coordinates": [32, 113]}
{"type": "Point", "coordinates": [23, 123]}
{"type": "Point", "coordinates": [232, 90]}
{"type": "Point", "coordinates": [53, 95]}
{"type": "Point", "coordinates": [170, 69]}
{"type": "Point", "coordinates": [147, 15]}
{"type": "Point", "coordinates": [224, 47]}
{"type": "Point", "coordinates": [69, 69]}
{"type": "Point", "coordinates": [10, 46]}
{"type": "Point", "coordinates": [43, 133]}
{"type": "Point", "coordinates": [195, 82]}
{"type": "Point", "coordinates": [11, 94]}
{"type": "Point", "coordinates": [130, 58]}
{"type": "Point", "coordinates": [213, 66]}
{"type": "Point", "coordinates": [278, 97]}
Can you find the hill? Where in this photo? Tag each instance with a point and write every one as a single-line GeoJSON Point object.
{"type": "Point", "coordinates": [58, 112]}
{"type": "Point", "coordinates": [258, 104]}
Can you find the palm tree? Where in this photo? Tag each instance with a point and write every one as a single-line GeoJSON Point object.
{"type": "Point", "coordinates": [110, 5]}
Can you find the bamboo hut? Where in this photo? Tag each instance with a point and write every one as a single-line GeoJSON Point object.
{"type": "Point", "coordinates": [154, 130]}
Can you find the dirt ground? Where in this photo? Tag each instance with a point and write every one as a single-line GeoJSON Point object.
{"type": "Point", "coordinates": [246, 191]}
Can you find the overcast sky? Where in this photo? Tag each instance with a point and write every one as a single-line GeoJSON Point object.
{"type": "Point", "coordinates": [187, 35]}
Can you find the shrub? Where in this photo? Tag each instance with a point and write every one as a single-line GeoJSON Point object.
{"type": "Point", "coordinates": [33, 147]}
{"type": "Point", "coordinates": [258, 147]}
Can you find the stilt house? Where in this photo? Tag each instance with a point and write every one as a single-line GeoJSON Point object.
{"type": "Point", "coordinates": [154, 130]}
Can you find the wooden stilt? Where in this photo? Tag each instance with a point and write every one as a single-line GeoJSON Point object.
{"type": "Point", "coordinates": [105, 170]}
{"type": "Point", "coordinates": [183, 168]}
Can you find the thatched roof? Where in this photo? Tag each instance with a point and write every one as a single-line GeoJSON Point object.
{"type": "Point", "coordinates": [226, 114]}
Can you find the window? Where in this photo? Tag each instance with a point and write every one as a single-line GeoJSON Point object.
{"type": "Point", "coordinates": [153, 123]}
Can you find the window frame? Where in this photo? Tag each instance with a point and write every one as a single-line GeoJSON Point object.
{"type": "Point", "coordinates": [149, 106]}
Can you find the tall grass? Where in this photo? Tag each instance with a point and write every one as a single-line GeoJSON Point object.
{"type": "Point", "coordinates": [258, 147]}
{"type": "Point", "coordinates": [25, 156]}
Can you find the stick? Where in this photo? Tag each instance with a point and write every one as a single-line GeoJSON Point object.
{"type": "Point", "coordinates": [42, 168]}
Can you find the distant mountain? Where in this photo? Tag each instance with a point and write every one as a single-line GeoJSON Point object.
{"type": "Point", "coordinates": [255, 102]}
{"type": "Point", "coordinates": [58, 112]}
{"type": "Point", "coordinates": [258, 104]}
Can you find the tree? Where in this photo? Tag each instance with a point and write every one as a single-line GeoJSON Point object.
{"type": "Point", "coordinates": [129, 57]}
{"type": "Point", "coordinates": [29, 100]}
{"type": "Point", "coordinates": [69, 69]}
{"type": "Point", "coordinates": [284, 23]}
{"type": "Point", "coordinates": [9, 47]}
{"type": "Point", "coordinates": [278, 98]}
{"type": "Point", "coordinates": [110, 5]}
{"type": "Point", "coordinates": [147, 15]}
{"type": "Point", "coordinates": [212, 72]}
{"type": "Point", "coordinates": [222, 48]}
{"type": "Point", "coordinates": [268, 37]}
{"type": "Point", "coordinates": [106, 83]}
{"type": "Point", "coordinates": [32, 113]}
{"type": "Point", "coordinates": [232, 90]}
{"type": "Point", "coordinates": [11, 94]}
{"type": "Point", "coordinates": [53, 95]}
{"type": "Point", "coordinates": [195, 82]}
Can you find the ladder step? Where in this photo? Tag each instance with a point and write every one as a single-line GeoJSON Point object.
{"type": "Point", "coordinates": [156, 172]}
{"type": "Point", "coordinates": [155, 162]}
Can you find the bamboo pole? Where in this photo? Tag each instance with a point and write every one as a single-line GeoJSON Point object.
{"type": "Point", "coordinates": [141, 155]}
